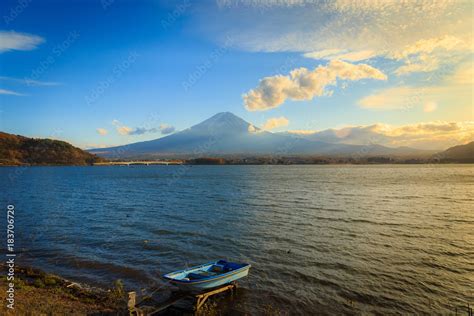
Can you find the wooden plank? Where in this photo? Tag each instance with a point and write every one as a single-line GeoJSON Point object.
{"type": "Point", "coordinates": [216, 291]}
{"type": "Point", "coordinates": [202, 298]}
{"type": "Point", "coordinates": [174, 298]}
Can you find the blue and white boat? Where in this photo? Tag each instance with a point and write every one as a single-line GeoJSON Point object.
{"type": "Point", "coordinates": [208, 276]}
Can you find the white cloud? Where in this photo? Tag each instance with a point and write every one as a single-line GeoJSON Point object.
{"type": "Point", "coordinates": [425, 127]}
{"type": "Point", "coordinates": [9, 92]}
{"type": "Point", "coordinates": [301, 132]}
{"type": "Point", "coordinates": [252, 129]}
{"type": "Point", "coordinates": [427, 55]}
{"type": "Point", "coordinates": [363, 6]}
{"type": "Point", "coordinates": [341, 54]}
{"type": "Point", "coordinates": [324, 54]}
{"type": "Point", "coordinates": [308, 26]}
{"type": "Point", "coordinates": [166, 129]}
{"type": "Point", "coordinates": [124, 130]}
{"type": "Point", "coordinates": [275, 122]}
{"type": "Point", "coordinates": [94, 146]}
{"type": "Point", "coordinates": [30, 82]}
{"type": "Point", "coordinates": [140, 130]}
{"type": "Point", "coordinates": [447, 42]}
{"type": "Point", "coordinates": [304, 84]}
{"type": "Point", "coordinates": [421, 36]}
{"type": "Point", "coordinates": [356, 56]}
{"type": "Point", "coordinates": [422, 63]}
{"type": "Point", "coordinates": [102, 131]}
{"type": "Point", "coordinates": [18, 41]}
{"type": "Point", "coordinates": [261, 3]}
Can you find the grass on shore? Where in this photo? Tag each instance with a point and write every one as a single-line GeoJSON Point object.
{"type": "Point", "coordinates": [38, 293]}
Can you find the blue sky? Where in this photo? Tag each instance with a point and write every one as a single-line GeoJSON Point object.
{"type": "Point", "coordinates": [101, 73]}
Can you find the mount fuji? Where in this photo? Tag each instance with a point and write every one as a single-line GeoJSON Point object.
{"type": "Point", "coordinates": [226, 134]}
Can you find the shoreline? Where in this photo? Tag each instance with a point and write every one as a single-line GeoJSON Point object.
{"type": "Point", "coordinates": [50, 294]}
{"type": "Point", "coordinates": [125, 164]}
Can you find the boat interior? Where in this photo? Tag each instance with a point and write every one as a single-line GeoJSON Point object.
{"type": "Point", "coordinates": [206, 271]}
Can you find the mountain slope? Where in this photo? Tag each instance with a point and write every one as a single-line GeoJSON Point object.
{"type": "Point", "coordinates": [460, 153]}
{"type": "Point", "coordinates": [222, 134]}
{"type": "Point", "coordinates": [227, 134]}
{"type": "Point", "coordinates": [18, 150]}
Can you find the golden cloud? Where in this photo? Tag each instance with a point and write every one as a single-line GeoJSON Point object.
{"type": "Point", "coordinates": [124, 130]}
{"type": "Point", "coordinates": [304, 84]}
{"type": "Point", "coordinates": [102, 131]}
{"type": "Point", "coordinates": [301, 132]}
{"type": "Point", "coordinates": [275, 122]}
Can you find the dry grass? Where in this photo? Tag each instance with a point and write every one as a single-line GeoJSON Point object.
{"type": "Point", "coordinates": [38, 293]}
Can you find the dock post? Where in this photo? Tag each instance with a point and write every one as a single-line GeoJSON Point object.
{"type": "Point", "coordinates": [132, 299]}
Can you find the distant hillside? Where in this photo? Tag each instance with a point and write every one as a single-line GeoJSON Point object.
{"type": "Point", "coordinates": [19, 150]}
{"type": "Point", "coordinates": [371, 148]}
{"type": "Point", "coordinates": [460, 153]}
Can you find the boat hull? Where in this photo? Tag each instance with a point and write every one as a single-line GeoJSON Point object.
{"type": "Point", "coordinates": [208, 283]}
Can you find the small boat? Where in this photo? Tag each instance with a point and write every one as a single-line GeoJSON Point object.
{"type": "Point", "coordinates": [208, 276]}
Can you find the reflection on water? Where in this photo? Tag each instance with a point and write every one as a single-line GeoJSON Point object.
{"type": "Point", "coordinates": [325, 239]}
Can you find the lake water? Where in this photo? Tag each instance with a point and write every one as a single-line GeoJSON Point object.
{"type": "Point", "coordinates": [321, 239]}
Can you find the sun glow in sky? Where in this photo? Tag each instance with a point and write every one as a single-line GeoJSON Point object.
{"type": "Point", "coordinates": [103, 73]}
